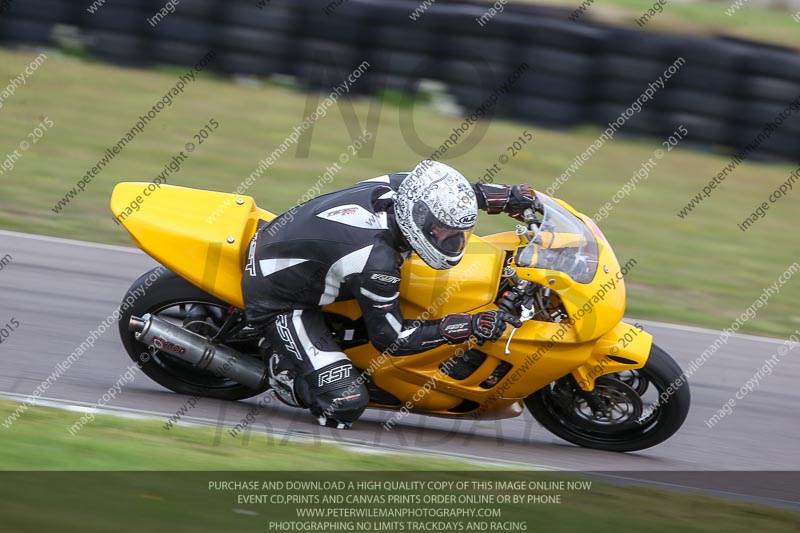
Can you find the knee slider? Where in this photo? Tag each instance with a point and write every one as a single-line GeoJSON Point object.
{"type": "Point", "coordinates": [335, 392]}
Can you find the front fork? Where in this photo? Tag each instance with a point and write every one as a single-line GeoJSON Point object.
{"type": "Point", "coordinates": [626, 347]}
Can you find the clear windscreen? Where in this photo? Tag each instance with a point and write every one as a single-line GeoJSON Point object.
{"type": "Point", "coordinates": [562, 243]}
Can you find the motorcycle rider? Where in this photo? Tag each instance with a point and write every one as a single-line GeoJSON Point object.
{"type": "Point", "coordinates": [350, 244]}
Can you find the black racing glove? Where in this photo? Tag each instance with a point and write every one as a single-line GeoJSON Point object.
{"type": "Point", "coordinates": [514, 200]}
{"type": "Point", "coordinates": [485, 326]}
{"type": "Point", "coordinates": [520, 198]}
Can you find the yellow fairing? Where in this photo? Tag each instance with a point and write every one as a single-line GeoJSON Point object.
{"type": "Point", "coordinates": [200, 235]}
{"type": "Point", "coordinates": [625, 347]}
{"type": "Point", "coordinates": [469, 285]}
{"type": "Point", "coordinates": [595, 307]}
{"type": "Point", "coordinates": [431, 294]}
{"type": "Point", "coordinates": [535, 362]}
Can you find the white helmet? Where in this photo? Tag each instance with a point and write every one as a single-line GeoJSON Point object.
{"type": "Point", "coordinates": [436, 210]}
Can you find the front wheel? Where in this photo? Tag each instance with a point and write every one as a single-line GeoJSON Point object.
{"type": "Point", "coordinates": [626, 412]}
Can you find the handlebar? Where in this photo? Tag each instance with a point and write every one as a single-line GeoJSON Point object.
{"type": "Point", "coordinates": [529, 214]}
{"type": "Point", "coordinates": [506, 303]}
{"type": "Point", "coordinates": [530, 217]}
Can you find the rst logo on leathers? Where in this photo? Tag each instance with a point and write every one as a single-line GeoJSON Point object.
{"type": "Point", "coordinates": [282, 325]}
{"type": "Point", "coordinates": [334, 374]}
{"type": "Point", "coordinates": [457, 328]}
{"type": "Point", "coordinates": [385, 278]}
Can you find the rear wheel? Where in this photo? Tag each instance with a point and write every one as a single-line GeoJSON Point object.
{"type": "Point", "coordinates": [174, 299]}
{"type": "Point", "coordinates": [623, 413]}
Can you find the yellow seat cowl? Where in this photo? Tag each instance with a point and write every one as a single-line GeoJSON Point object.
{"type": "Point", "coordinates": [200, 235]}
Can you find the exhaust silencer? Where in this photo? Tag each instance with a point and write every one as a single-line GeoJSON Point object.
{"type": "Point", "coordinates": [220, 360]}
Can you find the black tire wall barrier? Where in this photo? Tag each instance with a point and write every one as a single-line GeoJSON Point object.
{"type": "Point", "coordinates": [578, 72]}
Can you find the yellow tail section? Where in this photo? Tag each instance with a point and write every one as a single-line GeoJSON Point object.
{"type": "Point", "coordinates": [200, 235]}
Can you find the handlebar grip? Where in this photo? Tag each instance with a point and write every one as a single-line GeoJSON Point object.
{"type": "Point", "coordinates": [509, 317]}
{"type": "Point", "coordinates": [504, 303]}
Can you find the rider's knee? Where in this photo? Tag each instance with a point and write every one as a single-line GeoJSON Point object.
{"type": "Point", "coordinates": [335, 391]}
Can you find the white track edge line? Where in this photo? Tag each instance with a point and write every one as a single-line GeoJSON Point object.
{"type": "Point", "coordinates": [73, 242]}
{"type": "Point", "coordinates": [130, 412]}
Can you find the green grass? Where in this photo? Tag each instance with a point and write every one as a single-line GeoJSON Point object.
{"type": "Point", "coordinates": [140, 488]}
{"type": "Point", "coordinates": [39, 440]}
{"type": "Point", "coordinates": [753, 22]}
{"type": "Point", "coordinates": [701, 270]}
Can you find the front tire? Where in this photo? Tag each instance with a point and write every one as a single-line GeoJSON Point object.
{"type": "Point", "coordinates": [629, 422]}
{"type": "Point", "coordinates": [174, 298]}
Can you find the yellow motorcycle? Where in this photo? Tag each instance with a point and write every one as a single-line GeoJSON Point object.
{"type": "Point", "coordinates": [584, 374]}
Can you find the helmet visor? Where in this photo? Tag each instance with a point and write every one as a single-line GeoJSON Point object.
{"type": "Point", "coordinates": [450, 241]}
{"type": "Point", "coordinates": [447, 240]}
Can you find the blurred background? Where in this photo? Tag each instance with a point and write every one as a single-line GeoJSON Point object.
{"type": "Point", "coordinates": [271, 63]}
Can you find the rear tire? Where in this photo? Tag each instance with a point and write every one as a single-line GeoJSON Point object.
{"type": "Point", "coordinates": [560, 409]}
{"type": "Point", "coordinates": [166, 292]}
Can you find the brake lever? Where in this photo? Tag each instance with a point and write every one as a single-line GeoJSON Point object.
{"type": "Point", "coordinates": [526, 314]}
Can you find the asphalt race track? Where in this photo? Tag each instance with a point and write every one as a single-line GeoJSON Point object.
{"type": "Point", "coordinates": [60, 290]}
